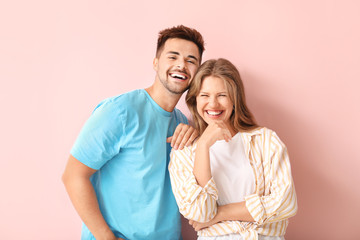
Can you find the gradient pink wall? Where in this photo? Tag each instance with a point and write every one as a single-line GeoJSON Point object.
{"type": "Point", "coordinates": [300, 62]}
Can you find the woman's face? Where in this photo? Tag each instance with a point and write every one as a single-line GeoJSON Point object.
{"type": "Point", "coordinates": [213, 101]}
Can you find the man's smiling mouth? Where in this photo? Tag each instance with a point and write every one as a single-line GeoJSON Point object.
{"type": "Point", "coordinates": [178, 76]}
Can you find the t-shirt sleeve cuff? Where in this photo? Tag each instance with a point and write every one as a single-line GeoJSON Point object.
{"type": "Point", "coordinates": [85, 161]}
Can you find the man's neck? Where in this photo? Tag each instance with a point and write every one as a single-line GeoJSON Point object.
{"type": "Point", "coordinates": [162, 97]}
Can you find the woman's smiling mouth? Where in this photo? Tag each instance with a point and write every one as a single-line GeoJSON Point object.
{"type": "Point", "coordinates": [214, 112]}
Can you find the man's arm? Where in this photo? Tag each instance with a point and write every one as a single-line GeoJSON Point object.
{"type": "Point", "coordinates": [76, 179]}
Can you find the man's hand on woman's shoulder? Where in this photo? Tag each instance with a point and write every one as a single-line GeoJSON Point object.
{"type": "Point", "coordinates": [184, 135]}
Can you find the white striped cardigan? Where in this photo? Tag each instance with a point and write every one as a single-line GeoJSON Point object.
{"type": "Point", "coordinates": [271, 205]}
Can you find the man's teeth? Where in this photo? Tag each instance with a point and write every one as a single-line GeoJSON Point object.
{"type": "Point", "coordinates": [214, 113]}
{"type": "Point", "coordinates": [174, 75]}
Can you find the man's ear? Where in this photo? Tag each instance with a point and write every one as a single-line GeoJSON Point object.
{"type": "Point", "coordinates": [155, 64]}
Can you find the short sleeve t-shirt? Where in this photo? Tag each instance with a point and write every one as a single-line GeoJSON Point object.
{"type": "Point", "coordinates": [125, 140]}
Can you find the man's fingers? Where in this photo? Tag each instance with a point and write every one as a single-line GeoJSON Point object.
{"type": "Point", "coordinates": [184, 135]}
{"type": "Point", "coordinates": [179, 140]}
{"type": "Point", "coordinates": [174, 137]}
{"type": "Point", "coordinates": [181, 131]}
{"type": "Point", "coordinates": [193, 136]}
{"type": "Point", "coordinates": [187, 135]}
{"type": "Point", "coordinates": [176, 134]}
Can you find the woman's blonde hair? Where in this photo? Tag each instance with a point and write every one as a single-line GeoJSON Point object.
{"type": "Point", "coordinates": [241, 118]}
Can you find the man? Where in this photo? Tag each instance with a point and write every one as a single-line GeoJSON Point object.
{"type": "Point", "coordinates": [116, 175]}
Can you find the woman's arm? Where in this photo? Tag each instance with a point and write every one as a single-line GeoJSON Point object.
{"type": "Point", "coordinates": [281, 202]}
{"type": "Point", "coordinates": [190, 174]}
{"type": "Point", "coordinates": [202, 170]}
{"type": "Point", "coordinates": [195, 202]}
{"type": "Point", "coordinates": [213, 132]}
{"type": "Point", "coordinates": [229, 212]}
{"type": "Point", "coordinates": [234, 212]}
{"type": "Point", "coordinates": [278, 205]}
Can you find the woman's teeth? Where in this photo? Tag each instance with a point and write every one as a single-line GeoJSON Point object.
{"type": "Point", "coordinates": [214, 113]}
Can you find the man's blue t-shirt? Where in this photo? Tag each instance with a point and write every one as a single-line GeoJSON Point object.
{"type": "Point", "coordinates": [125, 140]}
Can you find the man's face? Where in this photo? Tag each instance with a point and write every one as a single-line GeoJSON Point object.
{"type": "Point", "coordinates": [177, 64]}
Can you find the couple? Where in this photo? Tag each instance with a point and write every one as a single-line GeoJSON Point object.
{"type": "Point", "coordinates": [117, 174]}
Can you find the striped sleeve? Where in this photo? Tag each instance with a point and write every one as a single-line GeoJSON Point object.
{"type": "Point", "coordinates": [281, 202]}
{"type": "Point", "coordinates": [195, 203]}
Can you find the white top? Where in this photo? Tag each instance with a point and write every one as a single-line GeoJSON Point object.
{"type": "Point", "coordinates": [231, 170]}
{"type": "Point", "coordinates": [271, 204]}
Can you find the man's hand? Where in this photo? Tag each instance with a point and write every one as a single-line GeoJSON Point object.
{"type": "Point", "coordinates": [184, 135]}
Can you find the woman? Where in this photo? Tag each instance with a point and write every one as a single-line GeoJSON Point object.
{"type": "Point", "coordinates": [235, 181]}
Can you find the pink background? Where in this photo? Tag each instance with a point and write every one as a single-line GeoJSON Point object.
{"type": "Point", "coordinates": [300, 62]}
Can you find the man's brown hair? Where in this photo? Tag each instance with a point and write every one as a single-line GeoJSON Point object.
{"type": "Point", "coordinates": [180, 32]}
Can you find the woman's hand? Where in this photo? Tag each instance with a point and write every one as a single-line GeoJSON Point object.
{"type": "Point", "coordinates": [228, 212]}
{"type": "Point", "coordinates": [215, 131]}
{"type": "Point", "coordinates": [218, 218]}
{"type": "Point", "coordinates": [198, 226]}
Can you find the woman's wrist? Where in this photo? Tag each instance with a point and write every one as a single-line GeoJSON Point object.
{"type": "Point", "coordinates": [234, 212]}
{"type": "Point", "coordinates": [203, 143]}
{"type": "Point", "coordinates": [220, 216]}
